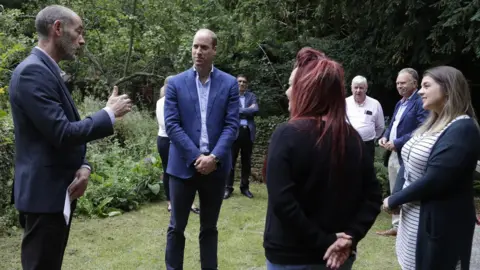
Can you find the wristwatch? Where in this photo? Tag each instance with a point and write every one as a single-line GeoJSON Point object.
{"type": "Point", "coordinates": [215, 157]}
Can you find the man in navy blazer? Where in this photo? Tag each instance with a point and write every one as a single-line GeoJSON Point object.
{"type": "Point", "coordinates": [408, 115]}
{"type": "Point", "coordinates": [245, 138]}
{"type": "Point", "coordinates": [50, 138]}
{"type": "Point", "coordinates": [201, 120]}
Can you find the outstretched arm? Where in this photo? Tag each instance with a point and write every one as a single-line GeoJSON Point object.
{"type": "Point", "coordinates": [43, 105]}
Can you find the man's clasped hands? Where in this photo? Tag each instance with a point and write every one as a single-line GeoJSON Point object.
{"type": "Point", "coordinates": [205, 164]}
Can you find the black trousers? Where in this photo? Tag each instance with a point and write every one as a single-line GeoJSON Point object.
{"type": "Point", "coordinates": [163, 147]}
{"type": "Point", "coordinates": [182, 191]}
{"type": "Point", "coordinates": [44, 240]}
{"type": "Point", "coordinates": [371, 149]}
{"type": "Point", "coordinates": [243, 145]}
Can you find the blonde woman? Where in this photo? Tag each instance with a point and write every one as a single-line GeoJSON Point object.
{"type": "Point", "coordinates": [163, 145]}
{"type": "Point", "coordinates": [434, 189]}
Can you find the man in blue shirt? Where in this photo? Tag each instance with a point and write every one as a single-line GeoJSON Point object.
{"type": "Point", "coordinates": [201, 120]}
{"type": "Point", "coordinates": [245, 139]}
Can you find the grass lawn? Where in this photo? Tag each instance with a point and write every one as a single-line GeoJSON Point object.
{"type": "Point", "coordinates": [136, 240]}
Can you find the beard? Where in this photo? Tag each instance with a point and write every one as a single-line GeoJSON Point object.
{"type": "Point", "coordinates": [66, 47]}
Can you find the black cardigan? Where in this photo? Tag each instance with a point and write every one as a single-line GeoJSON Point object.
{"type": "Point", "coordinates": [307, 206]}
{"type": "Point", "coordinates": [445, 192]}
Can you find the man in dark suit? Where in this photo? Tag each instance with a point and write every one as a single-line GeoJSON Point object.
{"type": "Point", "coordinates": [50, 138]}
{"type": "Point", "coordinates": [409, 114]}
{"type": "Point", "coordinates": [245, 139]}
{"type": "Point", "coordinates": [201, 119]}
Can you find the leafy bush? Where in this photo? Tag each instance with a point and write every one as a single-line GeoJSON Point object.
{"type": "Point", "coordinates": [7, 148]}
{"type": "Point", "coordinates": [126, 166]}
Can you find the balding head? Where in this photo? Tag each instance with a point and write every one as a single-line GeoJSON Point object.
{"type": "Point", "coordinates": [204, 49]}
{"type": "Point", "coordinates": [207, 33]}
{"type": "Point", "coordinates": [48, 16]}
{"type": "Point", "coordinates": [60, 32]}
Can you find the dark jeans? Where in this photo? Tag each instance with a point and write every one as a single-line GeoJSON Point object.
{"type": "Point", "coordinates": [44, 240]}
{"type": "Point", "coordinates": [243, 145]}
{"type": "Point", "coordinates": [182, 192]}
{"type": "Point", "coordinates": [163, 146]}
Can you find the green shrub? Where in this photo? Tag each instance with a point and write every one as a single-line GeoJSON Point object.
{"type": "Point", "coordinates": [7, 212]}
{"type": "Point", "coordinates": [126, 166]}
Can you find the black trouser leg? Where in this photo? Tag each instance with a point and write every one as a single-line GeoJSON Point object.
{"type": "Point", "coordinates": [231, 177]}
{"type": "Point", "coordinates": [246, 159]}
{"type": "Point", "coordinates": [44, 241]}
{"type": "Point", "coordinates": [243, 145]}
{"type": "Point", "coordinates": [371, 150]}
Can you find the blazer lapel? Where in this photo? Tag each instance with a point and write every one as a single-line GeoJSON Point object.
{"type": "Point", "coordinates": [248, 99]}
{"type": "Point", "coordinates": [410, 105]}
{"type": "Point", "coordinates": [49, 64]}
{"type": "Point", "coordinates": [69, 97]}
{"type": "Point", "coordinates": [191, 84]}
{"type": "Point", "coordinates": [215, 83]}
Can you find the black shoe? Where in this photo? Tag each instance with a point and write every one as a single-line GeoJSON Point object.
{"type": "Point", "coordinates": [247, 193]}
{"type": "Point", "coordinates": [195, 210]}
{"type": "Point", "coordinates": [227, 194]}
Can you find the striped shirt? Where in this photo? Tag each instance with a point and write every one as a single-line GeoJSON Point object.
{"type": "Point", "coordinates": [415, 154]}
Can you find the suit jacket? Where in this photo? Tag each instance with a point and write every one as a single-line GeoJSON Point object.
{"type": "Point", "coordinates": [183, 121]}
{"type": "Point", "coordinates": [249, 113]}
{"type": "Point", "coordinates": [50, 137]}
{"type": "Point", "coordinates": [445, 192]}
{"type": "Point", "coordinates": [411, 119]}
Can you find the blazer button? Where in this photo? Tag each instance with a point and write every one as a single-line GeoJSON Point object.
{"type": "Point", "coordinates": [198, 130]}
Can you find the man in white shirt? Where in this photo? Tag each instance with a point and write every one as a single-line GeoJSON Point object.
{"type": "Point", "coordinates": [365, 114]}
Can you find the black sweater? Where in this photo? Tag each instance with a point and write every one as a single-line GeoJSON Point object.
{"type": "Point", "coordinates": [309, 201]}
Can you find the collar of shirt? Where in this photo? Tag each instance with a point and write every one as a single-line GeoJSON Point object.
{"type": "Point", "coordinates": [244, 93]}
{"type": "Point", "coordinates": [55, 64]}
{"type": "Point", "coordinates": [196, 73]}
{"type": "Point", "coordinates": [406, 100]}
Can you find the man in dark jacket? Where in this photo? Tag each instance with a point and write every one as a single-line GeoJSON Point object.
{"type": "Point", "coordinates": [408, 116]}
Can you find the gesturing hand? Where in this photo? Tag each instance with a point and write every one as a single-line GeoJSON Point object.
{"type": "Point", "coordinates": [79, 185]}
{"type": "Point", "coordinates": [120, 105]}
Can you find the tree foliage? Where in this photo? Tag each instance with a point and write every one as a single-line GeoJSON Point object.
{"type": "Point", "coordinates": [140, 42]}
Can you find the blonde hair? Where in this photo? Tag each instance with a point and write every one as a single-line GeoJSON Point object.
{"type": "Point", "coordinates": [162, 90]}
{"type": "Point", "coordinates": [458, 99]}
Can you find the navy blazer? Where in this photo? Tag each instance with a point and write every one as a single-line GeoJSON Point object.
{"type": "Point", "coordinates": [445, 192]}
{"type": "Point", "coordinates": [249, 113]}
{"type": "Point", "coordinates": [411, 119]}
{"type": "Point", "coordinates": [183, 121]}
{"type": "Point", "coordinates": [50, 137]}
